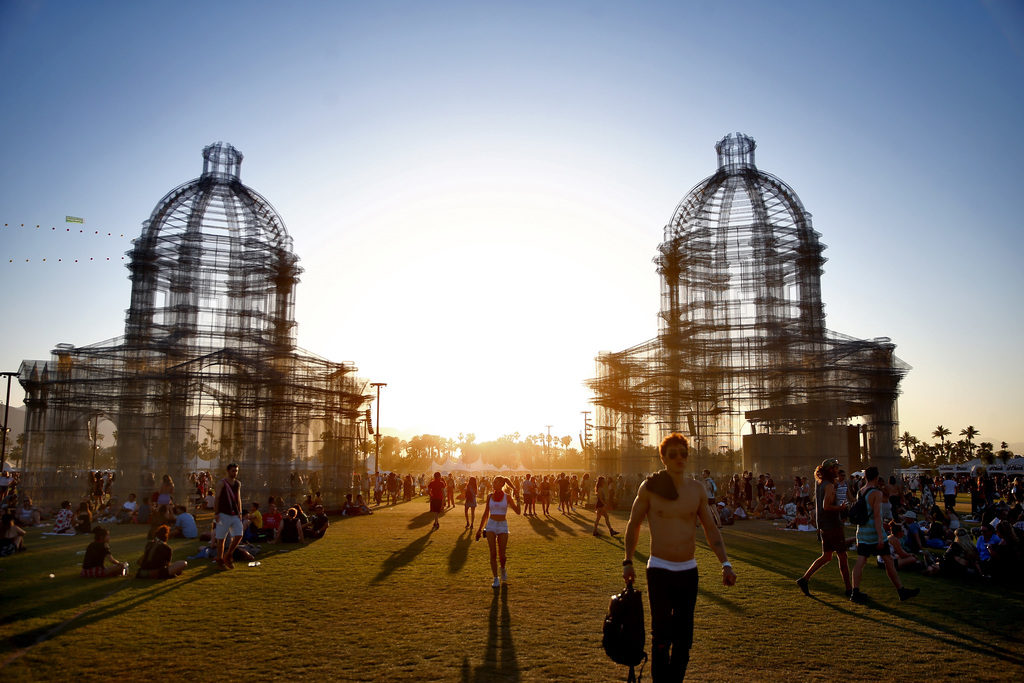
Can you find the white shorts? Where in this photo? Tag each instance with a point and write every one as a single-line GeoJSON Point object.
{"type": "Point", "coordinates": [658, 563]}
{"type": "Point", "coordinates": [495, 527]}
{"type": "Point", "coordinates": [229, 525]}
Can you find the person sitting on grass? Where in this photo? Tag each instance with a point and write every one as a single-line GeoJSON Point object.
{"type": "Point", "coordinates": [937, 529]}
{"type": "Point", "coordinates": [361, 505]}
{"type": "Point", "coordinates": [290, 530]}
{"type": "Point", "coordinates": [96, 555]}
{"type": "Point", "coordinates": [84, 516]}
{"type": "Point", "coordinates": [961, 558]}
{"type": "Point", "coordinates": [800, 519]}
{"type": "Point", "coordinates": [184, 523]}
{"type": "Point", "coordinates": [28, 515]}
{"type": "Point", "coordinates": [129, 510]}
{"type": "Point", "coordinates": [914, 537]}
{"type": "Point", "coordinates": [271, 522]}
{"type": "Point", "coordinates": [348, 508]}
{"type": "Point", "coordinates": [11, 536]}
{"type": "Point", "coordinates": [901, 557]}
{"type": "Point", "coordinates": [64, 522]}
{"type": "Point", "coordinates": [106, 515]}
{"type": "Point", "coordinates": [986, 541]}
{"type": "Point", "coordinates": [156, 558]}
{"type": "Point", "coordinates": [1007, 553]}
{"type": "Point", "coordinates": [252, 525]}
{"type": "Point", "coordinates": [318, 523]}
{"type": "Point", "coordinates": [163, 515]}
{"type": "Point", "coordinates": [725, 514]}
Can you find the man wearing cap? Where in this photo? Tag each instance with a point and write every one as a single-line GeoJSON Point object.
{"type": "Point", "coordinates": [227, 513]}
{"type": "Point", "coordinates": [914, 538]}
{"type": "Point", "coordinates": [830, 525]}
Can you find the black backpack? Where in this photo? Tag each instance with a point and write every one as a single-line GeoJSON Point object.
{"type": "Point", "coordinates": [859, 513]}
{"type": "Point", "coordinates": [623, 636]}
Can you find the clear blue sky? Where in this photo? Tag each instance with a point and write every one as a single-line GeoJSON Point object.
{"type": "Point", "coordinates": [476, 190]}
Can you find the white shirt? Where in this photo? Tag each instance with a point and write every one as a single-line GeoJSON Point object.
{"type": "Point", "coordinates": [949, 487]}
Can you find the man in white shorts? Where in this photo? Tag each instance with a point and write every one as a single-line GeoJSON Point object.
{"type": "Point", "coordinates": [227, 513]}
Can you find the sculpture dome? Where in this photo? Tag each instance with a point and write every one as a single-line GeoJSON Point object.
{"type": "Point", "coordinates": [213, 263]}
{"type": "Point", "coordinates": [744, 234]}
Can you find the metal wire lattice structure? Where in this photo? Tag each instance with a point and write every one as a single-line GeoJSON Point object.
{"type": "Point", "coordinates": [207, 371]}
{"type": "Point", "coordinates": [743, 357]}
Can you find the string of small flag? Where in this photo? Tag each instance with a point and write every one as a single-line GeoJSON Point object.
{"type": "Point", "coordinates": [82, 231]}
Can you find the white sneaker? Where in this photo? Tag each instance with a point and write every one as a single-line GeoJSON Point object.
{"type": "Point", "coordinates": [496, 583]}
{"type": "Point", "coordinates": [504, 575]}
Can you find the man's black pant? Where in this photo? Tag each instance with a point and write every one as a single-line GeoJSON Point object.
{"type": "Point", "coordinates": [672, 596]}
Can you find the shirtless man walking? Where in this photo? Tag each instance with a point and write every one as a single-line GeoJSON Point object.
{"type": "Point", "coordinates": [672, 503]}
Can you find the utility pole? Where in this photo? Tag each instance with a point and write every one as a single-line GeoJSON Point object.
{"type": "Point", "coordinates": [376, 432]}
{"type": "Point", "coordinates": [95, 437]}
{"type": "Point", "coordinates": [7, 405]}
{"type": "Point", "coordinates": [547, 447]}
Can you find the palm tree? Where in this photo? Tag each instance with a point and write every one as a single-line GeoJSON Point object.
{"type": "Point", "coordinates": [969, 433]}
{"type": "Point", "coordinates": [941, 433]}
{"type": "Point", "coordinates": [908, 442]}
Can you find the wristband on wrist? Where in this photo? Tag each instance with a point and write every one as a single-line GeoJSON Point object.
{"type": "Point", "coordinates": [727, 563]}
{"type": "Point", "coordinates": [627, 563]}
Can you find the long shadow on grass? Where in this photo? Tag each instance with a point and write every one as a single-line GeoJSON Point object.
{"type": "Point", "coordinates": [954, 640]}
{"type": "Point", "coordinates": [719, 600]}
{"type": "Point", "coordinates": [561, 526]}
{"type": "Point", "coordinates": [500, 661]}
{"type": "Point", "coordinates": [542, 528]}
{"type": "Point", "coordinates": [400, 558]}
{"type": "Point", "coordinates": [421, 520]}
{"type": "Point", "coordinates": [457, 557]}
{"type": "Point", "coordinates": [130, 594]}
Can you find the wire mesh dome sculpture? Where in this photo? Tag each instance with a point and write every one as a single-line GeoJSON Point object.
{"type": "Point", "coordinates": [742, 341]}
{"type": "Point", "coordinates": [207, 371]}
{"type": "Point", "coordinates": [214, 266]}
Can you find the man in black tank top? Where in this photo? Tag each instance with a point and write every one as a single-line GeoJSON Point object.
{"type": "Point", "coordinates": [830, 525]}
{"type": "Point", "coordinates": [227, 513]}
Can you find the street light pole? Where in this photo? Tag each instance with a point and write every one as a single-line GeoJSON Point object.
{"type": "Point", "coordinates": [376, 432]}
{"type": "Point", "coordinates": [7, 406]}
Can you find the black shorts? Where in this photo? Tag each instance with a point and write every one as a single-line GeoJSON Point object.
{"type": "Point", "coordinates": [833, 540]}
{"type": "Point", "coordinates": [872, 549]}
{"type": "Point", "coordinates": [437, 505]}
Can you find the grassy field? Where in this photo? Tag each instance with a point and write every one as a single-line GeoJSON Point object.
{"type": "Point", "coordinates": [383, 598]}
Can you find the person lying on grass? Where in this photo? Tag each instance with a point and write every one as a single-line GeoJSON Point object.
{"type": "Point", "coordinates": [97, 554]}
{"type": "Point", "coordinates": [156, 559]}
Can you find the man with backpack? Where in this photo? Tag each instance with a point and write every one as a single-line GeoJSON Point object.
{"type": "Point", "coordinates": [672, 504]}
{"type": "Point", "coordinates": [872, 539]}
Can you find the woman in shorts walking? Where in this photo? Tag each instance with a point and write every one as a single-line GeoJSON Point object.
{"type": "Point", "coordinates": [470, 502]}
{"type": "Point", "coordinates": [493, 521]}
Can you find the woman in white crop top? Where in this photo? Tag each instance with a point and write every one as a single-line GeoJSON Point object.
{"type": "Point", "coordinates": [493, 523]}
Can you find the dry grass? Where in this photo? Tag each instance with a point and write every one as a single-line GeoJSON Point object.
{"type": "Point", "coordinates": [383, 598]}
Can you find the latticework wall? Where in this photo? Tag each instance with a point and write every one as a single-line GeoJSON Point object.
{"type": "Point", "coordinates": [742, 345]}
{"type": "Point", "coordinates": [207, 371]}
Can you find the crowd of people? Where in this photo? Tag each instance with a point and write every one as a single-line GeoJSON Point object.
{"type": "Point", "coordinates": [168, 518]}
{"type": "Point", "coordinates": [921, 530]}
